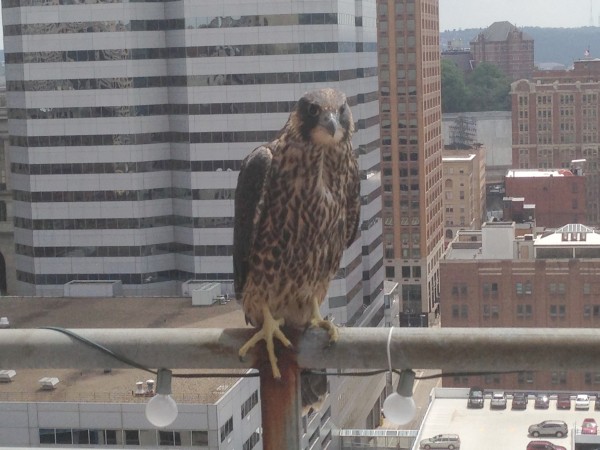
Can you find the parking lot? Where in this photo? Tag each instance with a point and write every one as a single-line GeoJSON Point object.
{"type": "Point", "coordinates": [501, 429]}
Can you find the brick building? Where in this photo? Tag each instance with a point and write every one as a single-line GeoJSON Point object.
{"type": "Point", "coordinates": [557, 194]}
{"type": "Point", "coordinates": [464, 190]}
{"type": "Point", "coordinates": [505, 46]}
{"type": "Point", "coordinates": [555, 120]}
{"type": "Point", "coordinates": [492, 278]}
{"type": "Point", "coordinates": [411, 148]}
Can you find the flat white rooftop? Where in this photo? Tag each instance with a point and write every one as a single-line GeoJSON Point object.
{"type": "Point", "coordinates": [530, 173]}
{"type": "Point", "coordinates": [499, 429]}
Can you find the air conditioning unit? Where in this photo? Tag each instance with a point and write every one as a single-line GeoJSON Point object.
{"type": "Point", "coordinates": [6, 376]}
{"type": "Point", "coordinates": [4, 323]}
{"type": "Point", "coordinates": [48, 383]}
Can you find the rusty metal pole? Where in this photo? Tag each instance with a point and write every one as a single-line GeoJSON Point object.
{"type": "Point", "coordinates": [280, 402]}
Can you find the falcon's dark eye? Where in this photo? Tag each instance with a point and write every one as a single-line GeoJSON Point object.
{"type": "Point", "coordinates": [313, 110]}
{"type": "Point", "coordinates": [342, 109]}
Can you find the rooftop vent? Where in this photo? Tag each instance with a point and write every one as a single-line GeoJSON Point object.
{"type": "Point", "coordinates": [150, 386]}
{"type": "Point", "coordinates": [4, 323]}
{"type": "Point", "coordinates": [48, 383]}
{"type": "Point", "coordinates": [6, 376]}
{"type": "Point", "coordinates": [139, 388]}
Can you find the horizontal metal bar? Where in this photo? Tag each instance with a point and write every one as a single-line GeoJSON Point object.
{"type": "Point", "coordinates": [449, 349]}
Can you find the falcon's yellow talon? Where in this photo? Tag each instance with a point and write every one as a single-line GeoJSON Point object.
{"type": "Point", "coordinates": [270, 330]}
{"type": "Point", "coordinates": [318, 321]}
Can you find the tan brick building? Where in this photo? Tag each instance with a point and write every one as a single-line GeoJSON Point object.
{"type": "Point", "coordinates": [490, 278]}
{"type": "Point", "coordinates": [464, 190]}
{"type": "Point", "coordinates": [556, 120]}
{"type": "Point", "coordinates": [505, 46]}
{"type": "Point", "coordinates": [411, 147]}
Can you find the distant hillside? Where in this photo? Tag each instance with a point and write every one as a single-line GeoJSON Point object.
{"type": "Point", "coordinates": [561, 45]}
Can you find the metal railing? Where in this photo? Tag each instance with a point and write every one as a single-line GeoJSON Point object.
{"type": "Point", "coordinates": [448, 349]}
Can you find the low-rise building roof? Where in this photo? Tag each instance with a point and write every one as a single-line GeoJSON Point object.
{"type": "Point", "coordinates": [117, 385]}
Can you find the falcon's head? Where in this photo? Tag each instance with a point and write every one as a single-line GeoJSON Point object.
{"type": "Point", "coordinates": [323, 117]}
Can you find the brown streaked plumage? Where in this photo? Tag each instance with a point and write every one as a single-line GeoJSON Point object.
{"type": "Point", "coordinates": [297, 207]}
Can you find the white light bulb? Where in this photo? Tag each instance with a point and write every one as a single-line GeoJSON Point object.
{"type": "Point", "coordinates": [161, 410]}
{"type": "Point", "coordinates": [399, 409]}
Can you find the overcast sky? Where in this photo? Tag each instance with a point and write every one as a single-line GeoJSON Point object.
{"type": "Point", "coordinates": [460, 14]}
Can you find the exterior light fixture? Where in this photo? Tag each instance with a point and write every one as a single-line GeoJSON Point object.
{"type": "Point", "coordinates": [161, 410]}
{"type": "Point", "coordinates": [399, 407]}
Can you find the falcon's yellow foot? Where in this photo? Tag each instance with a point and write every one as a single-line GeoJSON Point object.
{"type": "Point", "coordinates": [270, 330]}
{"type": "Point", "coordinates": [318, 321]}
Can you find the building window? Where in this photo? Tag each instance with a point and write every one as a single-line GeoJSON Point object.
{"type": "Point", "coordinates": [559, 377]}
{"type": "Point", "coordinates": [490, 290]}
{"type": "Point", "coordinates": [460, 311]}
{"type": "Point", "coordinates": [390, 272]}
{"type": "Point", "coordinates": [491, 311]}
{"type": "Point", "coordinates": [587, 289]}
{"type": "Point", "coordinates": [169, 438]}
{"type": "Point", "coordinates": [492, 379]}
{"type": "Point", "coordinates": [587, 311]}
{"type": "Point", "coordinates": [405, 271]}
{"type": "Point", "coordinates": [524, 311]}
{"type": "Point", "coordinates": [592, 377]}
{"type": "Point", "coordinates": [199, 438]}
{"type": "Point", "coordinates": [252, 441]}
{"type": "Point", "coordinates": [559, 311]}
{"type": "Point", "coordinates": [132, 437]}
{"type": "Point", "coordinates": [525, 377]}
{"type": "Point", "coordinates": [250, 402]}
{"type": "Point", "coordinates": [461, 380]}
{"type": "Point", "coordinates": [519, 288]}
{"type": "Point", "coordinates": [416, 271]}
{"type": "Point", "coordinates": [226, 428]}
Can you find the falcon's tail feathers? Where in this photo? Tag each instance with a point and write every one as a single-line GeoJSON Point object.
{"type": "Point", "coordinates": [313, 388]}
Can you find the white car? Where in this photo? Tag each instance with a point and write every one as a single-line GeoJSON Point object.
{"type": "Point", "coordinates": [582, 401]}
{"type": "Point", "coordinates": [498, 400]}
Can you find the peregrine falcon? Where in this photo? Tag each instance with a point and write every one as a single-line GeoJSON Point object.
{"type": "Point", "coordinates": [297, 207]}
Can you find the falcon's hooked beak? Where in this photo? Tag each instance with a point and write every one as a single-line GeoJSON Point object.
{"type": "Point", "coordinates": [330, 121]}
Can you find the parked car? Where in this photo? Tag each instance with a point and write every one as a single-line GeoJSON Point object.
{"type": "Point", "coordinates": [563, 401]}
{"type": "Point", "coordinates": [597, 402]}
{"type": "Point", "coordinates": [519, 401]}
{"type": "Point", "coordinates": [589, 426]}
{"type": "Point", "coordinates": [582, 401]}
{"type": "Point", "coordinates": [544, 445]}
{"type": "Point", "coordinates": [542, 401]}
{"type": "Point", "coordinates": [556, 428]}
{"type": "Point", "coordinates": [475, 398]}
{"type": "Point", "coordinates": [498, 400]}
{"type": "Point", "coordinates": [445, 441]}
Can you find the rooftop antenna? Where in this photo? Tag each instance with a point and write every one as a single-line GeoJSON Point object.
{"type": "Point", "coordinates": [591, 15]}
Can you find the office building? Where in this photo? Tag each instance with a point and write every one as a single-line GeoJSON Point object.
{"type": "Point", "coordinates": [411, 144]}
{"type": "Point", "coordinates": [128, 122]}
{"type": "Point", "coordinates": [555, 121]}
{"type": "Point", "coordinates": [464, 190]}
{"type": "Point", "coordinates": [500, 276]}
{"type": "Point", "coordinates": [506, 47]}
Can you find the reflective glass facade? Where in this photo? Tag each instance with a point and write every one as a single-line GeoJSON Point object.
{"type": "Point", "coordinates": [128, 125]}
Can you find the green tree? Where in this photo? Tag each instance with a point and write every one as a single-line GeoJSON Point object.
{"type": "Point", "coordinates": [454, 91]}
{"type": "Point", "coordinates": [489, 89]}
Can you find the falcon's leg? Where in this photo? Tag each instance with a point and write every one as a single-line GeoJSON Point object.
{"type": "Point", "coordinates": [318, 321]}
{"type": "Point", "coordinates": [270, 329]}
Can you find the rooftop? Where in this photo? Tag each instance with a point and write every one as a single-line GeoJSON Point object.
{"type": "Point", "coordinates": [116, 385]}
{"type": "Point", "coordinates": [448, 413]}
{"type": "Point", "coordinates": [531, 173]}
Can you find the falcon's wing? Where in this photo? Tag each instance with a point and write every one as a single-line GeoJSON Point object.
{"type": "Point", "coordinates": [249, 204]}
{"type": "Point", "coordinates": [352, 203]}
